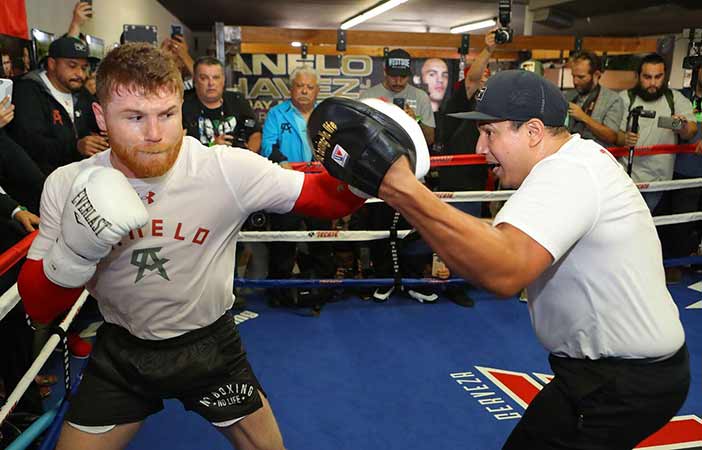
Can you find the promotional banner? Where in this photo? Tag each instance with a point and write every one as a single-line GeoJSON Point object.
{"type": "Point", "coordinates": [15, 55]}
{"type": "Point", "coordinates": [264, 78]}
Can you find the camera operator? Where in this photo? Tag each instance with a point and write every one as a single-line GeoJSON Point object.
{"type": "Point", "coordinates": [652, 96]}
{"type": "Point", "coordinates": [215, 116]}
{"type": "Point", "coordinates": [652, 93]}
{"type": "Point", "coordinates": [595, 112]}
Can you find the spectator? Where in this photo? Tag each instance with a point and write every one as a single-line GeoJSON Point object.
{"type": "Point", "coordinates": [285, 128]}
{"type": "Point", "coordinates": [215, 116]}
{"type": "Point", "coordinates": [82, 12]}
{"type": "Point", "coordinates": [652, 93]}
{"type": "Point", "coordinates": [21, 183]}
{"type": "Point", "coordinates": [435, 76]}
{"type": "Point", "coordinates": [417, 104]}
{"type": "Point", "coordinates": [90, 83]}
{"type": "Point", "coordinates": [177, 46]}
{"type": "Point", "coordinates": [285, 139]}
{"type": "Point", "coordinates": [54, 119]}
{"type": "Point", "coordinates": [396, 88]}
{"type": "Point", "coordinates": [694, 92]}
{"type": "Point", "coordinates": [685, 237]}
{"type": "Point", "coordinates": [19, 176]}
{"type": "Point", "coordinates": [595, 112]}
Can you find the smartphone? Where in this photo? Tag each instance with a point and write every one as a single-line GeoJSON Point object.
{"type": "Point", "coordinates": [5, 89]}
{"type": "Point", "coordinates": [671, 123]}
{"type": "Point", "coordinates": [176, 30]}
{"type": "Point", "coordinates": [399, 102]}
{"type": "Point", "coordinates": [90, 2]}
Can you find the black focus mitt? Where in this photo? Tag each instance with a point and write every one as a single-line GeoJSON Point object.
{"type": "Point", "coordinates": [358, 141]}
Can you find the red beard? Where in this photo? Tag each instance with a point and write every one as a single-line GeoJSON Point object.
{"type": "Point", "coordinates": [148, 162]}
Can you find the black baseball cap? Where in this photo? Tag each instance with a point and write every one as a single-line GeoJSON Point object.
{"type": "Point", "coordinates": [397, 63]}
{"type": "Point", "coordinates": [70, 47]}
{"type": "Point", "coordinates": [518, 95]}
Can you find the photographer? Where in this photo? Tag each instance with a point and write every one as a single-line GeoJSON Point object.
{"type": "Point", "coordinates": [652, 93]}
{"type": "Point", "coordinates": [594, 111]}
{"type": "Point", "coordinates": [215, 116]}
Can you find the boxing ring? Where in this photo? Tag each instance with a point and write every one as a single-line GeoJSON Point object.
{"type": "Point", "coordinates": [53, 418]}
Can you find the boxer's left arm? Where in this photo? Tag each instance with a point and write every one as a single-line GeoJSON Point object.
{"type": "Point", "coordinates": [502, 259]}
{"type": "Point", "coordinates": [325, 197]}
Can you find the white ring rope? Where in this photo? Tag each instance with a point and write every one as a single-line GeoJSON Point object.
{"type": "Point", "coordinates": [338, 235]}
{"type": "Point", "coordinates": [8, 300]}
{"type": "Point", "coordinates": [38, 363]}
{"type": "Point", "coordinates": [486, 196]}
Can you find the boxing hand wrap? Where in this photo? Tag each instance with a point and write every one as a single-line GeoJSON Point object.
{"type": "Point", "coordinates": [101, 209]}
{"type": "Point", "coordinates": [357, 142]}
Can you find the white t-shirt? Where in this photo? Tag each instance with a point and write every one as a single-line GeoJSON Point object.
{"type": "Point", "coordinates": [176, 273]}
{"type": "Point", "coordinates": [605, 293]}
{"type": "Point", "coordinates": [65, 99]}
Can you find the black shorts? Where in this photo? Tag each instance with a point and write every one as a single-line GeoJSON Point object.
{"type": "Point", "coordinates": [127, 378]}
{"type": "Point", "coordinates": [607, 404]}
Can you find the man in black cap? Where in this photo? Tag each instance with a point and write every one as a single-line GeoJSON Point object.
{"type": "Point", "coordinates": [578, 233]}
{"type": "Point", "coordinates": [396, 89]}
{"type": "Point", "coordinates": [54, 121]}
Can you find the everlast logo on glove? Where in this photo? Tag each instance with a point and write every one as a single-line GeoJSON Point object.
{"type": "Point", "coordinates": [86, 209]}
{"type": "Point", "coordinates": [339, 155]}
{"type": "Point", "coordinates": [321, 142]}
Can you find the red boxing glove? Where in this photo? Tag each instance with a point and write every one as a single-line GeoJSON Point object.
{"type": "Point", "coordinates": [43, 300]}
{"type": "Point", "coordinates": [325, 197]}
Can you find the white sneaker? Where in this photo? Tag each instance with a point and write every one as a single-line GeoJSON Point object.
{"type": "Point", "coordinates": [423, 297]}
{"type": "Point", "coordinates": [382, 294]}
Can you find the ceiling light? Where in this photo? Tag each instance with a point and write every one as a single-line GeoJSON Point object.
{"type": "Point", "coordinates": [296, 44]}
{"type": "Point", "coordinates": [369, 14]}
{"type": "Point", "coordinates": [473, 26]}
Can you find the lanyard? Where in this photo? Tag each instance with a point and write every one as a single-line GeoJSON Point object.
{"type": "Point", "coordinates": [591, 101]}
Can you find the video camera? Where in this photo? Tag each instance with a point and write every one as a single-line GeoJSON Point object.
{"type": "Point", "coordinates": [634, 116]}
{"type": "Point", "coordinates": [504, 34]}
{"type": "Point", "coordinates": [241, 136]}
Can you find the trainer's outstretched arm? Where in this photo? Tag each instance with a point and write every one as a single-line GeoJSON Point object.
{"type": "Point", "coordinates": [502, 259]}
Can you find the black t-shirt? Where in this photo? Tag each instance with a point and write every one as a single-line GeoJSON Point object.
{"type": "Point", "coordinates": [234, 117]}
{"type": "Point", "coordinates": [457, 137]}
